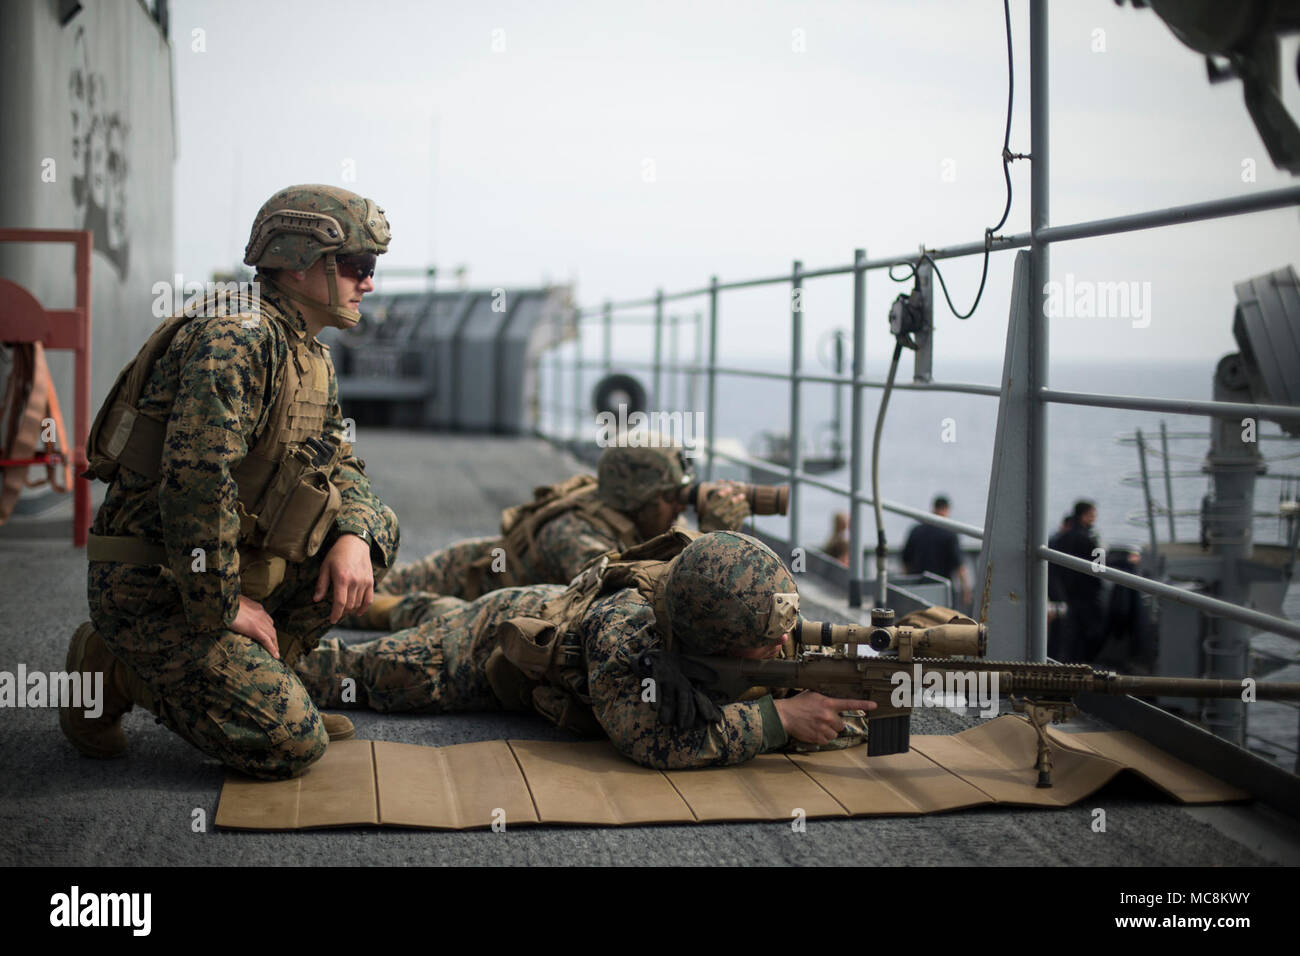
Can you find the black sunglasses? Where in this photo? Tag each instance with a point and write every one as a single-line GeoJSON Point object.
{"type": "Point", "coordinates": [360, 266]}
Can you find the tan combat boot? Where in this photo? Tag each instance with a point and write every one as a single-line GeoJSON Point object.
{"type": "Point", "coordinates": [376, 616]}
{"type": "Point", "coordinates": [100, 736]}
{"type": "Point", "coordinates": [338, 727]}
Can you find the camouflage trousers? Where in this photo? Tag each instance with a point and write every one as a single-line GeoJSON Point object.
{"type": "Point", "coordinates": [443, 572]}
{"type": "Point", "coordinates": [223, 692]}
{"type": "Point", "coordinates": [434, 666]}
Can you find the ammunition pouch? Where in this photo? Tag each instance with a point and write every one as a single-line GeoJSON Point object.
{"type": "Point", "coordinates": [298, 509]}
{"type": "Point", "coordinates": [539, 663]}
{"type": "Point", "coordinates": [260, 573]}
{"type": "Point", "coordinates": [565, 710]}
{"type": "Point", "coordinates": [512, 687]}
{"type": "Point", "coordinates": [537, 667]}
{"type": "Point", "coordinates": [297, 512]}
{"type": "Point", "coordinates": [530, 644]}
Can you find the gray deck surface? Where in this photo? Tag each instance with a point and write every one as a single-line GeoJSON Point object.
{"type": "Point", "coordinates": [57, 807]}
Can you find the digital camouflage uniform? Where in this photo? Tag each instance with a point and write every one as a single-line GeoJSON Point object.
{"type": "Point", "coordinates": [437, 664]}
{"type": "Point", "coordinates": [169, 625]}
{"type": "Point", "coordinates": [565, 545]}
{"type": "Point", "coordinates": [628, 478]}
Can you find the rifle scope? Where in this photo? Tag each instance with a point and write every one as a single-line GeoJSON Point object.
{"type": "Point", "coordinates": [943, 640]}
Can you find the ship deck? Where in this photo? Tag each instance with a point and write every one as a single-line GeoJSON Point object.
{"type": "Point", "coordinates": [57, 807]}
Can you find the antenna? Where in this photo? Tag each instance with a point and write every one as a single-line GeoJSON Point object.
{"type": "Point", "coordinates": [435, 137]}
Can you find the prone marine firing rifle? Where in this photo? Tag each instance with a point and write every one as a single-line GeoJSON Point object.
{"type": "Point", "coordinates": [826, 659]}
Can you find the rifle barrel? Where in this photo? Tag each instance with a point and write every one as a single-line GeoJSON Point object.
{"type": "Point", "coordinates": [1201, 687]}
{"type": "Point", "coordinates": [1014, 677]}
{"type": "Point", "coordinates": [1074, 679]}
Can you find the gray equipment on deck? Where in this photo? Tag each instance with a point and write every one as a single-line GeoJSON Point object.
{"type": "Point", "coordinates": [1227, 562]}
{"type": "Point", "coordinates": [461, 360]}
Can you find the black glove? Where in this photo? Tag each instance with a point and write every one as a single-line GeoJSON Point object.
{"type": "Point", "coordinates": [678, 700]}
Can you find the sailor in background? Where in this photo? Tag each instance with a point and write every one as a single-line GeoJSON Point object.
{"type": "Point", "coordinates": [936, 550]}
{"type": "Point", "coordinates": [1084, 628]}
{"type": "Point", "coordinates": [1056, 606]}
{"type": "Point", "coordinates": [837, 545]}
{"type": "Point", "coordinates": [1129, 632]}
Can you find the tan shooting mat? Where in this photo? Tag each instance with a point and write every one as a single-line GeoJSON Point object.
{"type": "Point", "coordinates": [517, 782]}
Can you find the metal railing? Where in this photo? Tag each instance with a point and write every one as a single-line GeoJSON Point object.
{"type": "Point", "coordinates": [1153, 510]}
{"type": "Point", "coordinates": [1040, 395]}
{"type": "Point", "coordinates": [1015, 550]}
{"type": "Point", "coordinates": [1028, 544]}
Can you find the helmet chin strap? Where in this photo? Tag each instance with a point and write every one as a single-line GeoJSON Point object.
{"type": "Point", "coordinates": [342, 318]}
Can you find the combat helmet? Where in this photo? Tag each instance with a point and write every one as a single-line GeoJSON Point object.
{"type": "Point", "coordinates": [300, 224]}
{"type": "Point", "coordinates": [727, 591]}
{"type": "Point", "coordinates": [629, 477]}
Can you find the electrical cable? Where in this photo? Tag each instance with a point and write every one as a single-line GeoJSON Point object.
{"type": "Point", "coordinates": [1007, 157]}
{"type": "Point", "coordinates": [882, 551]}
{"type": "Point", "coordinates": [905, 340]}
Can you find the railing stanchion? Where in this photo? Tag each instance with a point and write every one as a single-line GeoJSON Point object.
{"type": "Point", "coordinates": [855, 426]}
{"type": "Point", "coordinates": [693, 382]}
{"type": "Point", "coordinates": [1169, 485]}
{"type": "Point", "coordinates": [677, 386]}
{"type": "Point", "coordinates": [607, 346]}
{"type": "Point", "coordinates": [659, 352]}
{"type": "Point", "coordinates": [557, 389]}
{"type": "Point", "coordinates": [1040, 272]}
{"type": "Point", "coordinates": [1146, 495]}
{"type": "Point", "coordinates": [577, 381]}
{"type": "Point", "coordinates": [712, 408]}
{"type": "Point", "coordinates": [796, 429]}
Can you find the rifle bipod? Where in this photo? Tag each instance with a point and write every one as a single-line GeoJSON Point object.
{"type": "Point", "coordinates": [1040, 714]}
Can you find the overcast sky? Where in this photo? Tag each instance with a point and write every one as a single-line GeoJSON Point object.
{"type": "Point", "coordinates": [626, 148]}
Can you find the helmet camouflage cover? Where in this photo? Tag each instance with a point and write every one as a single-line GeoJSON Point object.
{"type": "Point", "coordinates": [728, 591]}
{"type": "Point", "coordinates": [629, 477]}
{"type": "Point", "coordinates": [299, 224]}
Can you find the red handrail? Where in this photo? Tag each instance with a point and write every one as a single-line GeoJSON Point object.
{"type": "Point", "coordinates": [61, 329]}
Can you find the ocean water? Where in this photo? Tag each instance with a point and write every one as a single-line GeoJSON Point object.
{"type": "Point", "coordinates": [942, 443]}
